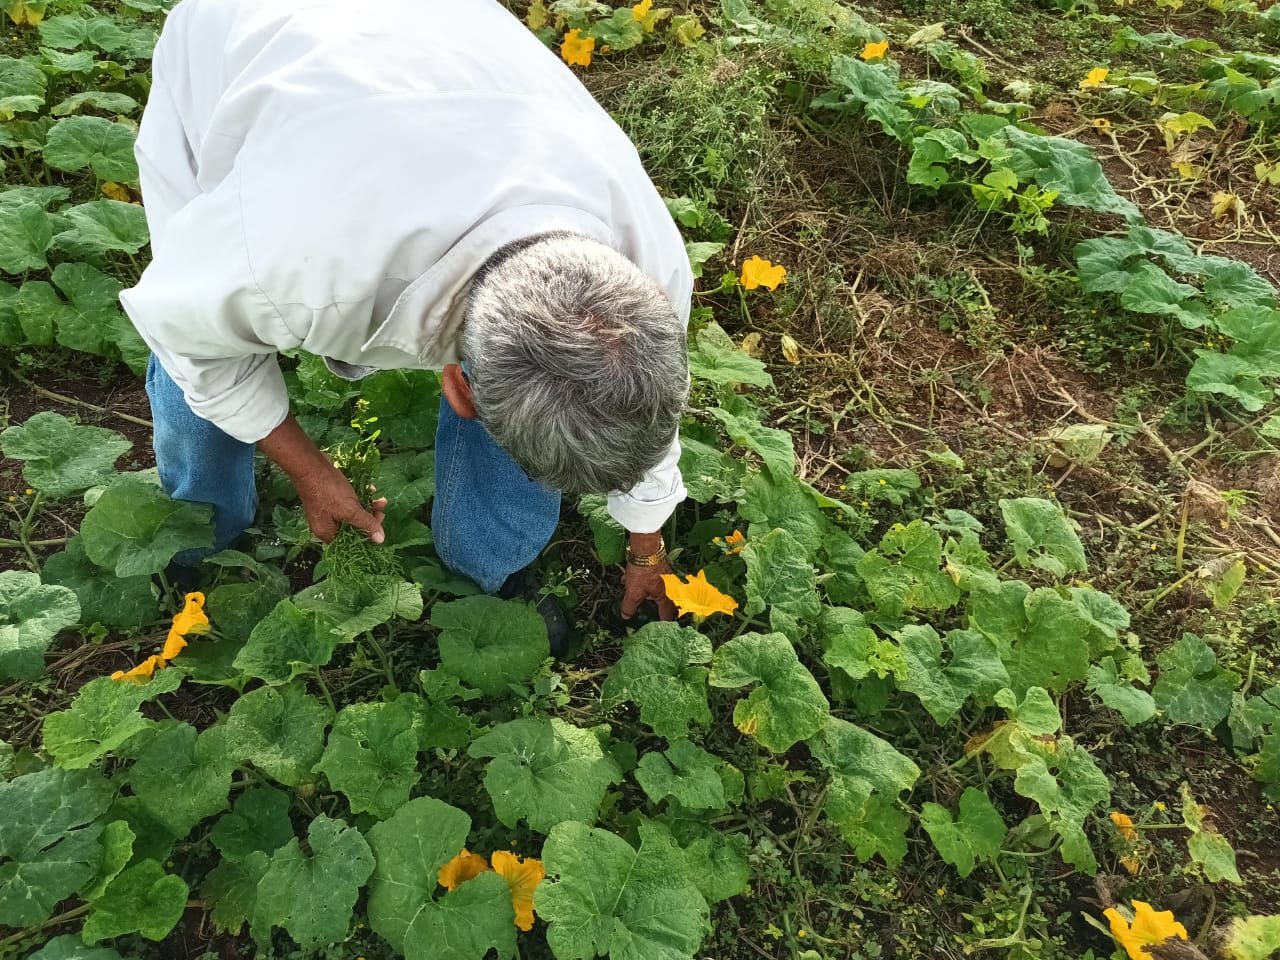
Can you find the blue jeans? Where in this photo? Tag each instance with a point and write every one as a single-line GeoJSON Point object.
{"type": "Point", "coordinates": [488, 520]}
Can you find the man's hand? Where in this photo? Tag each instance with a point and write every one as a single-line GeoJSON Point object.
{"type": "Point", "coordinates": [645, 583]}
{"type": "Point", "coordinates": [328, 499]}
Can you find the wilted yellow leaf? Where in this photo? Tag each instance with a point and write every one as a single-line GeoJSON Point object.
{"type": "Point", "coordinates": [576, 49]}
{"type": "Point", "coordinates": [926, 35]}
{"type": "Point", "coordinates": [117, 191]}
{"type": "Point", "coordinates": [537, 16]}
{"type": "Point", "coordinates": [1187, 170]}
{"type": "Point", "coordinates": [790, 348]}
{"type": "Point", "coordinates": [25, 12]}
{"type": "Point", "coordinates": [1226, 205]}
{"type": "Point", "coordinates": [874, 51]}
{"type": "Point", "coordinates": [688, 29]}
{"type": "Point", "coordinates": [751, 344]}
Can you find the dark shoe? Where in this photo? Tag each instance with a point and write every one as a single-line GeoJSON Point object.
{"type": "Point", "coordinates": [521, 585]}
{"type": "Point", "coordinates": [184, 579]}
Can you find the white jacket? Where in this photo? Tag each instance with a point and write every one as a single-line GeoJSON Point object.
{"type": "Point", "coordinates": [328, 177]}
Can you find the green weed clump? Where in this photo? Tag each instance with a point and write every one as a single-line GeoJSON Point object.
{"type": "Point", "coordinates": [351, 558]}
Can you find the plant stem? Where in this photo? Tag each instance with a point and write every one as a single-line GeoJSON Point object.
{"type": "Point", "coordinates": [324, 689]}
{"type": "Point", "coordinates": [51, 922]}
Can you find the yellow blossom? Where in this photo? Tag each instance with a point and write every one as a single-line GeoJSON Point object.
{"type": "Point", "coordinates": [1094, 78]}
{"type": "Point", "coordinates": [576, 49]}
{"type": "Point", "coordinates": [735, 541]}
{"type": "Point", "coordinates": [1148, 929]}
{"type": "Point", "coordinates": [641, 10]}
{"type": "Point", "coordinates": [28, 491]}
{"type": "Point", "coordinates": [1124, 823]}
{"type": "Point", "coordinates": [695, 595]}
{"type": "Point", "coordinates": [522, 875]}
{"type": "Point", "coordinates": [1101, 123]}
{"type": "Point", "coordinates": [874, 51]}
{"type": "Point", "coordinates": [143, 671]}
{"type": "Point", "coordinates": [758, 272]}
{"type": "Point", "coordinates": [465, 866]}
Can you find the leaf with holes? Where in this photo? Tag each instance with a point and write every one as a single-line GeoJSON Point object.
{"type": "Point", "coordinates": [464, 924]}
{"type": "Point", "coordinates": [372, 756]}
{"type": "Point", "coordinates": [905, 571]}
{"type": "Point", "coordinates": [280, 730]}
{"type": "Point", "coordinates": [544, 771]}
{"type": "Point", "coordinates": [182, 777]}
{"type": "Point", "coordinates": [787, 705]}
{"type": "Point", "coordinates": [661, 671]}
{"type": "Point", "coordinates": [143, 899]}
{"type": "Point", "coordinates": [102, 717]}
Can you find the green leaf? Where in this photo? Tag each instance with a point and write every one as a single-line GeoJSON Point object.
{"type": "Point", "coordinates": [1229, 376]}
{"type": "Point", "coordinates": [72, 31]}
{"type": "Point", "coordinates": [1251, 938]}
{"type": "Point", "coordinates": [117, 851]}
{"type": "Point", "coordinates": [372, 756]}
{"type": "Point", "coordinates": [438, 723]}
{"type": "Point", "coordinates": [231, 888]}
{"type": "Point", "coordinates": [855, 754]}
{"type": "Point", "coordinates": [381, 601]}
{"type": "Point", "coordinates": [100, 99]}
{"type": "Point", "coordinates": [841, 583]}
{"type": "Point", "coordinates": [709, 473]}
{"type": "Point", "coordinates": [1207, 847]}
{"type": "Point", "coordinates": [70, 947]}
{"type": "Point", "coordinates": [718, 864]}
{"type": "Point", "coordinates": [602, 897]}
{"type": "Point", "coordinates": [1067, 784]}
{"type": "Point", "coordinates": [1135, 705]}
{"type": "Point", "coordinates": [22, 87]}
{"type": "Point", "coordinates": [905, 571]}
{"type": "Point", "coordinates": [1043, 536]}
{"type": "Point", "coordinates": [716, 359]}
{"type": "Point", "coordinates": [49, 845]}
{"type": "Point", "coordinates": [102, 145]}
{"type": "Point", "coordinates": [31, 614]}
{"type": "Point", "coordinates": [544, 771]}
{"type": "Point", "coordinates": [288, 643]}
{"type": "Point", "coordinates": [490, 643]}
{"type": "Point", "coordinates": [143, 899]}
{"type": "Point", "coordinates": [976, 834]}
{"type": "Point", "coordinates": [780, 575]}
{"type": "Point", "coordinates": [312, 897]}
{"type": "Point", "coordinates": [106, 225]}
{"type": "Point", "coordinates": [62, 457]}
{"type": "Point", "coordinates": [1191, 687]}
{"type": "Point", "coordinates": [854, 648]}
{"type": "Point", "coordinates": [870, 823]}
{"type": "Point", "coordinates": [406, 404]}
{"type": "Point", "coordinates": [280, 730]}
{"type": "Point", "coordinates": [972, 669]}
{"type": "Point", "coordinates": [1041, 637]}
{"type": "Point", "coordinates": [686, 772]}
{"type": "Point", "coordinates": [181, 778]}
{"type": "Point", "coordinates": [135, 528]}
{"type": "Point", "coordinates": [1036, 713]}
{"type": "Point", "coordinates": [103, 716]}
{"type": "Point", "coordinates": [788, 705]}
{"type": "Point", "coordinates": [1150, 290]}
{"type": "Point", "coordinates": [258, 823]}
{"type": "Point", "coordinates": [26, 232]}
{"type": "Point", "coordinates": [1056, 163]}
{"type": "Point", "coordinates": [610, 536]}
{"type": "Point", "coordinates": [464, 924]}
{"type": "Point", "coordinates": [774, 447]}
{"type": "Point", "coordinates": [1235, 283]}
{"type": "Point", "coordinates": [660, 671]}
{"type": "Point", "coordinates": [784, 503]}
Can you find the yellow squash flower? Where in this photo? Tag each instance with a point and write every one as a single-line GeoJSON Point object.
{"type": "Point", "coordinates": [735, 542]}
{"type": "Point", "coordinates": [576, 49]}
{"type": "Point", "coordinates": [1124, 823]}
{"type": "Point", "coordinates": [641, 10]}
{"type": "Point", "coordinates": [874, 51]}
{"type": "Point", "coordinates": [1148, 929]}
{"type": "Point", "coordinates": [1094, 78]}
{"type": "Point", "coordinates": [143, 671]}
{"type": "Point", "coordinates": [465, 866]}
{"type": "Point", "coordinates": [697, 596]}
{"type": "Point", "coordinates": [757, 272]}
{"type": "Point", "coordinates": [523, 876]}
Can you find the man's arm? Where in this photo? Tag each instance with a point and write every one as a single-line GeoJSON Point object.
{"type": "Point", "coordinates": [327, 497]}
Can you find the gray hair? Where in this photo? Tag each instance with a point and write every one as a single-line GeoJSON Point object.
{"type": "Point", "coordinates": [578, 364]}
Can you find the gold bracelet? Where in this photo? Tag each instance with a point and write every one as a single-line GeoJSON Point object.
{"type": "Point", "coordinates": [650, 560]}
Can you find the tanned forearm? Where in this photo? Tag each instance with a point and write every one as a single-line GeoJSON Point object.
{"type": "Point", "coordinates": [289, 448]}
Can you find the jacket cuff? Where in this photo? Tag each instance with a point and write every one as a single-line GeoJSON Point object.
{"type": "Point", "coordinates": [253, 407]}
